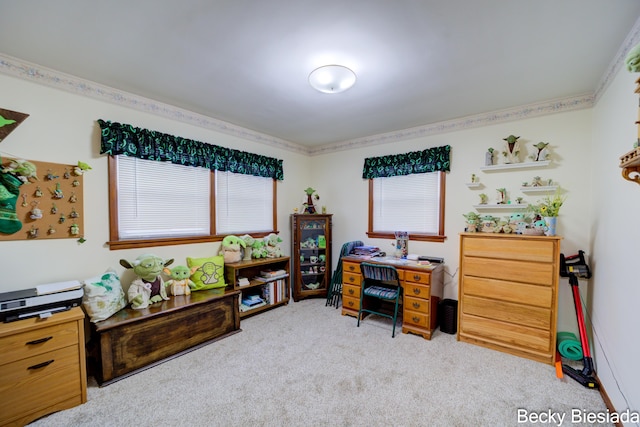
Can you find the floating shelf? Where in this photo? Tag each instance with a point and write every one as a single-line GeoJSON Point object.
{"type": "Point", "coordinates": [525, 165]}
{"type": "Point", "coordinates": [474, 184]}
{"type": "Point", "coordinates": [508, 206]}
{"type": "Point", "coordinates": [540, 189]}
{"type": "Point", "coordinates": [630, 164]}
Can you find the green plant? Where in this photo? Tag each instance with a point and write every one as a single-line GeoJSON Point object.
{"type": "Point", "coordinates": [549, 206]}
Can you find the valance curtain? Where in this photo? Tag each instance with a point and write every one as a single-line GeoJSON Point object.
{"type": "Point", "coordinates": [146, 144]}
{"type": "Point", "coordinates": [429, 160]}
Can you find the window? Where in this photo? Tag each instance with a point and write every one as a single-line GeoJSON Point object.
{"type": "Point", "coordinates": [156, 203]}
{"type": "Point", "coordinates": [412, 203]}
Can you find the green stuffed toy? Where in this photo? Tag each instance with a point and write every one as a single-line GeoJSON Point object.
{"type": "Point", "coordinates": [180, 282]}
{"type": "Point", "coordinates": [272, 243]}
{"type": "Point", "coordinates": [149, 287]}
{"type": "Point", "coordinates": [11, 178]}
{"type": "Point", "coordinates": [231, 249]}
{"type": "Point", "coordinates": [259, 249]}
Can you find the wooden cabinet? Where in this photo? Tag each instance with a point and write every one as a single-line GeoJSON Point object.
{"type": "Point", "coordinates": [42, 366]}
{"type": "Point", "coordinates": [508, 293]}
{"type": "Point", "coordinates": [422, 289]}
{"type": "Point", "coordinates": [311, 255]}
{"type": "Point", "coordinates": [270, 291]}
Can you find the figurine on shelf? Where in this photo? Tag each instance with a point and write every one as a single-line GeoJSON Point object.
{"type": "Point", "coordinates": [484, 199]}
{"type": "Point", "coordinates": [511, 151]}
{"type": "Point", "coordinates": [502, 196]}
{"type": "Point", "coordinates": [488, 157]}
{"type": "Point", "coordinates": [309, 207]}
{"type": "Point", "coordinates": [473, 219]}
{"type": "Point", "coordinates": [542, 154]}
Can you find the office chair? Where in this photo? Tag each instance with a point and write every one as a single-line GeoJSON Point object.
{"type": "Point", "coordinates": [380, 284]}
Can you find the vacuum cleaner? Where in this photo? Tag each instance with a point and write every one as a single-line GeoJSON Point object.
{"type": "Point", "coordinates": [575, 267]}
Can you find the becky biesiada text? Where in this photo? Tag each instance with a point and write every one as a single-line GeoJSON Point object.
{"type": "Point", "coordinates": [578, 416]}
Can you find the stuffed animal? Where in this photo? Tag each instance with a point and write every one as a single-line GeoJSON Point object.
{"type": "Point", "coordinates": [259, 249]}
{"type": "Point", "coordinates": [272, 243]}
{"type": "Point", "coordinates": [149, 287]}
{"type": "Point", "coordinates": [249, 242]}
{"type": "Point", "coordinates": [231, 249]}
{"type": "Point", "coordinates": [180, 282]}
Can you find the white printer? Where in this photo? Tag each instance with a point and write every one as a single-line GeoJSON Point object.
{"type": "Point", "coordinates": [41, 301]}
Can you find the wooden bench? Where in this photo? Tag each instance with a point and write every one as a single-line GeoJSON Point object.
{"type": "Point", "coordinates": [134, 340]}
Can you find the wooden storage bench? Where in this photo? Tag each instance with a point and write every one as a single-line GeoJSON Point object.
{"type": "Point", "coordinates": [134, 340]}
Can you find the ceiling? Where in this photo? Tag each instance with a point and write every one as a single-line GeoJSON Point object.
{"type": "Point", "coordinates": [247, 62]}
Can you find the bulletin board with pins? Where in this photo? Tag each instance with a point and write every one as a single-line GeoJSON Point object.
{"type": "Point", "coordinates": [48, 205]}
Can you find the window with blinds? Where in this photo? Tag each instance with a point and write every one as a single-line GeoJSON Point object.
{"type": "Point", "coordinates": [407, 203]}
{"type": "Point", "coordinates": [243, 203]}
{"type": "Point", "coordinates": [159, 199]}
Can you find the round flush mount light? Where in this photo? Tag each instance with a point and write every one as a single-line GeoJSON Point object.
{"type": "Point", "coordinates": [332, 78]}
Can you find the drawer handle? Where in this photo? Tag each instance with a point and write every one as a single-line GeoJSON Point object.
{"type": "Point", "coordinates": [351, 292]}
{"type": "Point", "coordinates": [351, 268]}
{"type": "Point", "coordinates": [40, 341]}
{"type": "Point", "coordinates": [416, 291]}
{"type": "Point", "coordinates": [350, 303]}
{"type": "Point", "coordinates": [416, 319]}
{"type": "Point", "coordinates": [416, 277]}
{"type": "Point", "coordinates": [416, 305]}
{"type": "Point", "coordinates": [351, 279]}
{"type": "Point", "coordinates": [41, 365]}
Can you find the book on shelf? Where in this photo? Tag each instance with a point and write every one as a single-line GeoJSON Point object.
{"type": "Point", "coordinates": [269, 279]}
{"type": "Point", "coordinates": [243, 281]}
{"type": "Point", "coordinates": [270, 274]}
{"type": "Point", "coordinates": [244, 307]}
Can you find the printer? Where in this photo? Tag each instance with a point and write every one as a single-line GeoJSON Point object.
{"type": "Point", "coordinates": [42, 301]}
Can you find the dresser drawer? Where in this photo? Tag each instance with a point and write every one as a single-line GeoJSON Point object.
{"type": "Point", "coordinates": [417, 277]}
{"type": "Point", "coordinates": [351, 278]}
{"type": "Point", "coordinates": [416, 318]}
{"type": "Point", "coordinates": [417, 291]}
{"type": "Point", "coordinates": [37, 341]}
{"type": "Point", "coordinates": [536, 250]}
{"type": "Point", "coordinates": [517, 271]}
{"type": "Point", "coordinates": [539, 296]}
{"type": "Point", "coordinates": [350, 291]}
{"type": "Point", "coordinates": [416, 304]}
{"type": "Point", "coordinates": [519, 314]}
{"type": "Point", "coordinates": [510, 335]}
{"type": "Point", "coordinates": [40, 381]}
{"type": "Point", "coordinates": [350, 267]}
{"type": "Point", "coordinates": [351, 303]}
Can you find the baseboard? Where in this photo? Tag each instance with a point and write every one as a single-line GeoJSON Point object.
{"type": "Point", "coordinates": [607, 400]}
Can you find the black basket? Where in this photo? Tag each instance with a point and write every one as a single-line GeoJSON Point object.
{"type": "Point", "coordinates": [448, 313]}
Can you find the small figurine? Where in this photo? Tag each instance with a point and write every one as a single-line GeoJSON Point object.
{"type": "Point", "coordinates": [149, 287]}
{"type": "Point", "coordinates": [511, 151]}
{"type": "Point", "coordinates": [484, 199]}
{"type": "Point", "coordinates": [502, 196]}
{"type": "Point", "coordinates": [488, 157]}
{"type": "Point", "coordinates": [473, 220]}
{"type": "Point", "coordinates": [180, 282]}
{"type": "Point", "coordinates": [74, 230]}
{"type": "Point", "coordinates": [542, 153]}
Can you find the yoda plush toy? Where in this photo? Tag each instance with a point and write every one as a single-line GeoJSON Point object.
{"type": "Point", "coordinates": [231, 249]}
{"type": "Point", "coordinates": [180, 282]}
{"type": "Point", "coordinates": [149, 287]}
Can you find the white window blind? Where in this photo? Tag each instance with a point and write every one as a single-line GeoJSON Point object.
{"type": "Point", "coordinates": [160, 199]}
{"type": "Point", "coordinates": [407, 203]}
{"type": "Point", "coordinates": [243, 203]}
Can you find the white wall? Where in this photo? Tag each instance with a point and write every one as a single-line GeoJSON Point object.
{"type": "Point", "coordinates": [615, 288]}
{"type": "Point", "coordinates": [62, 128]}
{"type": "Point", "coordinates": [568, 135]}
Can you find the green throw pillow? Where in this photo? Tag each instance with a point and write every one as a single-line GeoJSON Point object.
{"type": "Point", "coordinates": [103, 296]}
{"type": "Point", "coordinates": [210, 272]}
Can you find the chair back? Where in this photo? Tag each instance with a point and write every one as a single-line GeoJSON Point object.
{"type": "Point", "coordinates": [379, 273]}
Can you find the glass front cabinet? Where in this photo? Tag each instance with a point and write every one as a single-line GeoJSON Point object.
{"type": "Point", "coordinates": [310, 255]}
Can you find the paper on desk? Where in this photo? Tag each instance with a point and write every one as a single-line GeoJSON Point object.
{"type": "Point", "coordinates": [52, 288]}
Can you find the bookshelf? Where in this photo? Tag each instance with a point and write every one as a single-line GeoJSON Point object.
{"type": "Point", "coordinates": [259, 293]}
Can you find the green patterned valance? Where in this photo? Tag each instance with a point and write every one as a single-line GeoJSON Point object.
{"type": "Point", "coordinates": [150, 145]}
{"type": "Point", "coordinates": [429, 160]}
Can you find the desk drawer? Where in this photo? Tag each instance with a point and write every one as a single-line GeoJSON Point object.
{"type": "Point", "coordinates": [416, 304]}
{"type": "Point", "coordinates": [350, 291]}
{"type": "Point", "coordinates": [37, 341]}
{"type": "Point", "coordinates": [350, 267]}
{"type": "Point", "coordinates": [536, 250]}
{"type": "Point", "coordinates": [351, 303]}
{"type": "Point", "coordinates": [520, 314]}
{"type": "Point", "coordinates": [415, 318]}
{"type": "Point", "coordinates": [351, 278]}
{"type": "Point", "coordinates": [417, 277]}
{"type": "Point", "coordinates": [417, 291]}
{"type": "Point", "coordinates": [540, 296]}
{"type": "Point", "coordinates": [517, 271]}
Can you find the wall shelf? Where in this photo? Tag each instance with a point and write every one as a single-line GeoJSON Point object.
{"type": "Point", "coordinates": [524, 165]}
{"type": "Point", "coordinates": [630, 164]}
{"type": "Point", "coordinates": [540, 189]}
{"type": "Point", "coordinates": [506, 206]}
{"type": "Point", "coordinates": [474, 185]}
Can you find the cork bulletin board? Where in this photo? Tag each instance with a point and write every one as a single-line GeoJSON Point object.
{"type": "Point", "coordinates": [49, 207]}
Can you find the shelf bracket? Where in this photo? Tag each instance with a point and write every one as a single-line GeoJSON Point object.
{"type": "Point", "coordinates": [628, 171]}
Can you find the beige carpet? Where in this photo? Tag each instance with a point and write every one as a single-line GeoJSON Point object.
{"type": "Point", "coordinates": [306, 365]}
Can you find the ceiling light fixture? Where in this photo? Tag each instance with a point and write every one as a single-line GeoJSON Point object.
{"type": "Point", "coordinates": [332, 78]}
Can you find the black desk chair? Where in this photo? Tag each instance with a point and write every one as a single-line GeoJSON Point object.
{"type": "Point", "coordinates": [380, 283]}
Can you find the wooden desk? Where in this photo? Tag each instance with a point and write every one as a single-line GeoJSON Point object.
{"type": "Point", "coordinates": [134, 340]}
{"type": "Point", "coordinates": [422, 290]}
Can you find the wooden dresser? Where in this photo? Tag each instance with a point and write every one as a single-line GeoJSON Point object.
{"type": "Point", "coordinates": [422, 289]}
{"type": "Point", "coordinates": [508, 293]}
{"type": "Point", "coordinates": [42, 367]}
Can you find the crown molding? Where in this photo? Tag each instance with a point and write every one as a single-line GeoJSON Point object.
{"type": "Point", "coordinates": [39, 74]}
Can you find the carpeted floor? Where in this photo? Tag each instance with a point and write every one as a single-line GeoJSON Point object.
{"type": "Point", "coordinates": [305, 364]}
